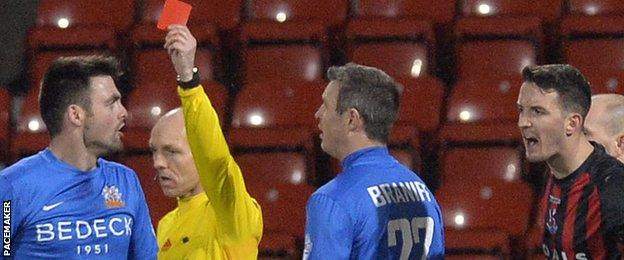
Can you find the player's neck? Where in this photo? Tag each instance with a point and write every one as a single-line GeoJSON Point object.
{"type": "Point", "coordinates": [357, 144]}
{"type": "Point", "coordinates": [571, 158]}
{"type": "Point", "coordinates": [72, 152]}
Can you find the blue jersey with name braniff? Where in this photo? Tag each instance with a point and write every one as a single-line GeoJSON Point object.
{"type": "Point", "coordinates": [376, 208]}
{"type": "Point", "coordinates": [58, 211]}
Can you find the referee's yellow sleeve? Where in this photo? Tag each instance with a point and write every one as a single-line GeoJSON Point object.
{"type": "Point", "coordinates": [238, 215]}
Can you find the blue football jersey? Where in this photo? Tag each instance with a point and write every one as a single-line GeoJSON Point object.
{"type": "Point", "coordinates": [375, 209]}
{"type": "Point", "coordinates": [58, 211]}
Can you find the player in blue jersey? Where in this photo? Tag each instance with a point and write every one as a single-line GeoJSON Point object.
{"type": "Point", "coordinates": [67, 202]}
{"type": "Point", "coordinates": [375, 208]}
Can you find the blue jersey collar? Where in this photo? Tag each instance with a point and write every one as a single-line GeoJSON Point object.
{"type": "Point", "coordinates": [364, 155]}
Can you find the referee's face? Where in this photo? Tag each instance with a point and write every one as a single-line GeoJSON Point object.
{"type": "Point", "coordinates": [541, 121]}
{"type": "Point", "coordinates": [172, 157]}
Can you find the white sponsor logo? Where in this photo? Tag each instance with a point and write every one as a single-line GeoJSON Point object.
{"type": "Point", "coordinates": [80, 229]}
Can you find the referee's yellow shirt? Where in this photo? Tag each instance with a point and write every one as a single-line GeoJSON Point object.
{"type": "Point", "coordinates": [224, 222]}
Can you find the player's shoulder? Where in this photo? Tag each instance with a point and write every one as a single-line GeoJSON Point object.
{"type": "Point", "coordinates": [26, 168]}
{"type": "Point", "coordinates": [605, 164]}
{"type": "Point", "coordinates": [114, 165]}
{"type": "Point", "coordinates": [605, 167]}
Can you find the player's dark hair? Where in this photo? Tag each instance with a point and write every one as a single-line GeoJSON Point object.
{"type": "Point", "coordinates": [573, 89]}
{"type": "Point", "coordinates": [371, 92]}
{"type": "Point", "coordinates": [67, 82]}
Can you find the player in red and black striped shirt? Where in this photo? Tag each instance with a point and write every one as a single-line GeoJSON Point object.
{"type": "Point", "coordinates": [583, 204]}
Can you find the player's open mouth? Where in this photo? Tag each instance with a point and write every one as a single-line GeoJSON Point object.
{"type": "Point", "coordinates": [531, 141]}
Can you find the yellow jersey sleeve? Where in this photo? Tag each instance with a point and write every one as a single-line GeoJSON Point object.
{"type": "Point", "coordinates": [238, 215]}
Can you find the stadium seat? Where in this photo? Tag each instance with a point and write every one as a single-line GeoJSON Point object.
{"type": "Point", "coordinates": [603, 83]}
{"type": "Point", "coordinates": [273, 167]}
{"type": "Point", "coordinates": [118, 16]}
{"type": "Point", "coordinates": [278, 104]}
{"type": "Point", "coordinates": [145, 109]}
{"type": "Point", "coordinates": [476, 100]}
{"type": "Point", "coordinates": [547, 10]}
{"type": "Point", "coordinates": [5, 123]}
{"type": "Point", "coordinates": [407, 45]}
{"type": "Point", "coordinates": [421, 103]}
{"type": "Point", "coordinates": [277, 116]}
{"type": "Point", "coordinates": [496, 46]}
{"type": "Point", "coordinates": [154, 74]}
{"type": "Point", "coordinates": [277, 245]}
{"type": "Point", "coordinates": [159, 205]}
{"type": "Point", "coordinates": [223, 14]}
{"type": "Point", "coordinates": [80, 24]}
{"type": "Point", "coordinates": [594, 44]}
{"type": "Point", "coordinates": [283, 51]}
{"type": "Point", "coordinates": [483, 110]}
{"type": "Point", "coordinates": [502, 163]}
{"type": "Point", "coordinates": [470, 204]}
{"type": "Point", "coordinates": [596, 7]}
{"type": "Point", "coordinates": [327, 11]}
{"type": "Point", "coordinates": [283, 207]}
{"type": "Point", "coordinates": [477, 244]}
{"type": "Point", "coordinates": [438, 12]}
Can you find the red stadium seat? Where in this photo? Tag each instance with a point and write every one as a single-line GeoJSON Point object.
{"type": "Point", "coordinates": [407, 45]}
{"type": "Point", "coordinates": [501, 163]}
{"type": "Point", "coordinates": [159, 205]}
{"type": "Point", "coordinates": [283, 51]}
{"type": "Point", "coordinates": [437, 11]}
{"type": "Point", "coordinates": [596, 7]}
{"type": "Point", "coordinates": [327, 11]}
{"type": "Point", "coordinates": [478, 104]}
{"type": "Point", "coordinates": [496, 46]}
{"type": "Point", "coordinates": [483, 110]}
{"type": "Point", "coordinates": [484, 100]}
{"type": "Point", "coordinates": [594, 44]}
{"type": "Point", "coordinates": [277, 245]}
{"type": "Point", "coordinates": [5, 123]}
{"type": "Point", "coordinates": [118, 16]}
{"type": "Point", "coordinates": [283, 206]}
{"type": "Point", "coordinates": [486, 243]}
{"type": "Point", "coordinates": [223, 14]}
{"type": "Point", "coordinates": [278, 104]}
{"type": "Point", "coordinates": [547, 10]}
{"type": "Point", "coordinates": [154, 74]}
{"type": "Point", "coordinates": [277, 115]}
{"type": "Point", "coordinates": [485, 203]}
{"type": "Point", "coordinates": [605, 83]}
{"type": "Point", "coordinates": [144, 110]}
{"type": "Point", "coordinates": [80, 24]}
{"type": "Point", "coordinates": [421, 103]}
{"type": "Point", "coordinates": [273, 167]}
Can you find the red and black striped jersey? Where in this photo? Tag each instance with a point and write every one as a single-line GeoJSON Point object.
{"type": "Point", "coordinates": [583, 213]}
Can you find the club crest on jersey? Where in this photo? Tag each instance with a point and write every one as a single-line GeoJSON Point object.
{"type": "Point", "coordinates": [112, 197]}
{"type": "Point", "coordinates": [551, 224]}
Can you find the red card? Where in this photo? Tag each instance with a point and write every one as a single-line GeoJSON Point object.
{"type": "Point", "coordinates": [174, 12]}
